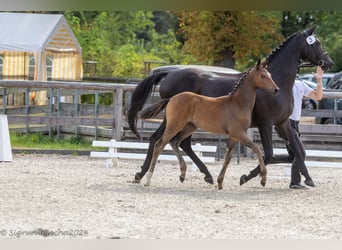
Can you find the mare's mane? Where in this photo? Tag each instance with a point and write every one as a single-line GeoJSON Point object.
{"type": "Point", "coordinates": [280, 46]}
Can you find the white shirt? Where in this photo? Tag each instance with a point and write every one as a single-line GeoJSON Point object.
{"type": "Point", "coordinates": [300, 90]}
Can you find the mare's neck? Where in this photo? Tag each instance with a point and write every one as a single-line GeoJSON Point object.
{"type": "Point", "coordinates": [284, 65]}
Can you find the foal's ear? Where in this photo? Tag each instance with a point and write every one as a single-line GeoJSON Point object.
{"type": "Point", "coordinates": [258, 64]}
{"type": "Point", "coordinates": [311, 30]}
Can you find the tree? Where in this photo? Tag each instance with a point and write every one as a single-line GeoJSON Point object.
{"type": "Point", "coordinates": [293, 21]}
{"type": "Point", "coordinates": [226, 37]}
{"type": "Point", "coordinates": [329, 30]}
{"type": "Point", "coordinates": [121, 41]}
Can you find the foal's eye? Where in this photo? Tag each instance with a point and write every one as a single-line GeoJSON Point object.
{"type": "Point", "coordinates": [263, 76]}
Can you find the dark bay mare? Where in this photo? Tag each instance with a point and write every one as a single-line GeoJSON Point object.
{"type": "Point", "coordinates": [268, 111]}
{"type": "Point", "coordinates": [229, 114]}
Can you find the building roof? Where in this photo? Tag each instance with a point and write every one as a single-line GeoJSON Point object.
{"type": "Point", "coordinates": [35, 32]}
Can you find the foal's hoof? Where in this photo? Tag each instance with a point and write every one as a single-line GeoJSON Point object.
{"type": "Point", "coordinates": [263, 183]}
{"type": "Point", "coordinates": [209, 179]}
{"type": "Point", "coordinates": [243, 179]}
{"type": "Point", "coordinates": [181, 178]}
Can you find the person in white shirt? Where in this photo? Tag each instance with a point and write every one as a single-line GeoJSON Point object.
{"type": "Point", "coordinates": [301, 90]}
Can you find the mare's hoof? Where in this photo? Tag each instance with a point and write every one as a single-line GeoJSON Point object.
{"type": "Point", "coordinates": [210, 180]}
{"type": "Point", "coordinates": [243, 179]}
{"type": "Point", "coordinates": [137, 178]}
{"type": "Point", "coordinates": [309, 183]}
{"type": "Point", "coordinates": [263, 183]}
{"type": "Point", "coordinates": [297, 186]}
{"type": "Point", "coordinates": [181, 178]}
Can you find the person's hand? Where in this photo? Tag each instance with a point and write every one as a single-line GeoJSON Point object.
{"type": "Point", "coordinates": [319, 74]}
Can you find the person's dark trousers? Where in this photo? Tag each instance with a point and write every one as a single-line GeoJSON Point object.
{"type": "Point", "coordinates": [304, 171]}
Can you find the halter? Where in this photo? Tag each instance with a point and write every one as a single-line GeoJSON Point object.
{"type": "Point", "coordinates": [310, 40]}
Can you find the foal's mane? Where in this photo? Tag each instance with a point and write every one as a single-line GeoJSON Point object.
{"type": "Point", "coordinates": [280, 46]}
{"type": "Point", "coordinates": [237, 83]}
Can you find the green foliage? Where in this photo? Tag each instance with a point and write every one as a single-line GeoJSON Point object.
{"type": "Point", "coordinates": [127, 61]}
{"type": "Point", "coordinates": [120, 41]}
{"type": "Point", "coordinates": [334, 44]}
{"type": "Point", "coordinates": [104, 99]}
{"type": "Point", "coordinates": [41, 141]}
{"type": "Point", "coordinates": [224, 37]}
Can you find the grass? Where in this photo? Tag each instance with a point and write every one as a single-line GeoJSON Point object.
{"type": "Point", "coordinates": [41, 141]}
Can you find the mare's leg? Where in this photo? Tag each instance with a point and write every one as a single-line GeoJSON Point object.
{"type": "Point", "coordinates": [296, 154]}
{"type": "Point", "coordinates": [266, 141]}
{"type": "Point", "coordinates": [186, 146]}
{"type": "Point", "coordinates": [297, 151]}
{"type": "Point", "coordinates": [154, 138]}
{"type": "Point", "coordinates": [227, 157]}
{"type": "Point", "coordinates": [283, 158]}
{"type": "Point", "coordinates": [186, 132]}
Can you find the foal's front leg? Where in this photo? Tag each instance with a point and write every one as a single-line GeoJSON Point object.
{"type": "Point", "coordinates": [227, 157]}
{"type": "Point", "coordinates": [243, 138]}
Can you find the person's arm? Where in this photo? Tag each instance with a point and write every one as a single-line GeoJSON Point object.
{"type": "Point", "coordinates": [318, 93]}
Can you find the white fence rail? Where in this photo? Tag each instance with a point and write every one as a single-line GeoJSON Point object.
{"type": "Point", "coordinates": [113, 154]}
{"type": "Point", "coordinates": [319, 154]}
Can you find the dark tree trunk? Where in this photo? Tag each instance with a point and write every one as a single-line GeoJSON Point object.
{"type": "Point", "coordinates": [227, 60]}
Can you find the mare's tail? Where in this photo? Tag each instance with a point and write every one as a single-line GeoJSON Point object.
{"type": "Point", "coordinates": [154, 109]}
{"type": "Point", "coordinates": [139, 97]}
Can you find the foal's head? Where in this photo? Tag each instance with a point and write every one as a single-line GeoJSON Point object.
{"type": "Point", "coordinates": [263, 79]}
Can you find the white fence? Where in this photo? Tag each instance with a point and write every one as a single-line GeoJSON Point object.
{"type": "Point", "coordinates": [113, 154]}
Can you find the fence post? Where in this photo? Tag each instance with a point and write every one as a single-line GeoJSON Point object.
{"type": "Point", "coordinates": [27, 107]}
{"type": "Point", "coordinates": [5, 149]}
{"type": "Point", "coordinates": [58, 110]}
{"type": "Point", "coordinates": [76, 110]}
{"type": "Point", "coordinates": [96, 113]}
{"type": "Point", "coordinates": [117, 114]}
{"type": "Point", "coordinates": [51, 102]}
{"type": "Point", "coordinates": [5, 101]}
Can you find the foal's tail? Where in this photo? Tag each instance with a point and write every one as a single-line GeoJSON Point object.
{"type": "Point", "coordinates": [139, 97]}
{"type": "Point", "coordinates": [153, 110]}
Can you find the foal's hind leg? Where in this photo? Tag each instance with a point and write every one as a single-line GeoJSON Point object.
{"type": "Point", "coordinates": [158, 148]}
{"type": "Point", "coordinates": [171, 130]}
{"type": "Point", "coordinates": [227, 157]}
{"type": "Point", "coordinates": [153, 140]}
{"type": "Point", "coordinates": [181, 161]}
{"type": "Point", "coordinates": [186, 132]}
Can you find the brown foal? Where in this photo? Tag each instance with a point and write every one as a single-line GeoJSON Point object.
{"type": "Point", "coordinates": [230, 114]}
